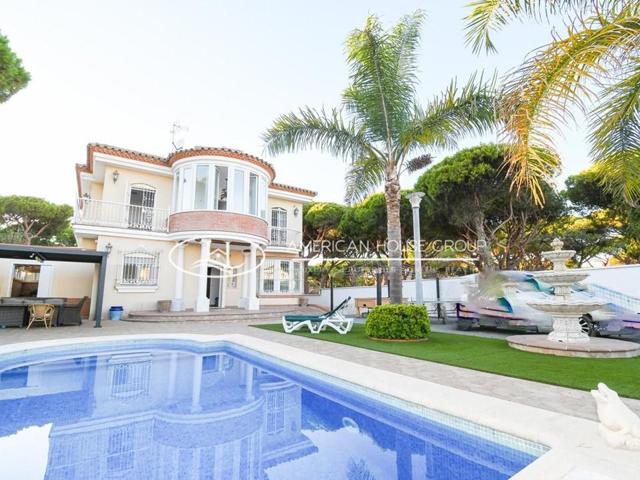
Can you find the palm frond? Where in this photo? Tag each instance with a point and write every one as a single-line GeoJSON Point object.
{"type": "Point", "coordinates": [539, 97]}
{"type": "Point", "coordinates": [459, 111]}
{"type": "Point", "coordinates": [418, 163]}
{"type": "Point", "coordinates": [615, 137]}
{"type": "Point", "coordinates": [383, 79]}
{"type": "Point", "coordinates": [310, 128]}
{"type": "Point", "coordinates": [363, 177]}
{"type": "Point", "coordinates": [491, 15]}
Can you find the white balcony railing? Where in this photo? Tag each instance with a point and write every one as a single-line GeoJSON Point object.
{"type": "Point", "coordinates": [121, 215]}
{"type": "Point", "coordinates": [285, 237]}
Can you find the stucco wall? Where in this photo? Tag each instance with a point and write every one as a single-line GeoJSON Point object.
{"type": "Point", "coordinates": [136, 299]}
{"type": "Point", "coordinates": [293, 222]}
{"type": "Point", "coordinates": [69, 279]}
{"type": "Point", "coordinates": [119, 192]}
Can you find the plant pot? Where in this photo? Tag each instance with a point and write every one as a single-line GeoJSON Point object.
{"type": "Point", "coordinates": [164, 305]}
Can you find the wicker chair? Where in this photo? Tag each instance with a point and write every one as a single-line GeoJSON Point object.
{"type": "Point", "coordinates": [41, 312]}
{"type": "Point", "coordinates": [71, 314]}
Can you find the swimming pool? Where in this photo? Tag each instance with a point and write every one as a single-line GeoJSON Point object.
{"type": "Point", "coordinates": [175, 409]}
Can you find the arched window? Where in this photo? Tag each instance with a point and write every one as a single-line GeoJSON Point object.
{"type": "Point", "coordinates": [142, 200]}
{"type": "Point", "coordinates": [139, 267]}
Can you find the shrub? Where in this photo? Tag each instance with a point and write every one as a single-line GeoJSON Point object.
{"type": "Point", "coordinates": [398, 322]}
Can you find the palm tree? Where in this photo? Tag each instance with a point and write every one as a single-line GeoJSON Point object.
{"type": "Point", "coordinates": [380, 129]}
{"type": "Point", "coordinates": [594, 66]}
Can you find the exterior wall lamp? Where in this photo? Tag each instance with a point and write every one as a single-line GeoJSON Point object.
{"type": "Point", "coordinates": [115, 175]}
{"type": "Point", "coordinates": [108, 247]}
{"type": "Point", "coordinates": [296, 211]}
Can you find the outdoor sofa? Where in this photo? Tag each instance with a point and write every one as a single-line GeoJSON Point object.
{"type": "Point", "coordinates": [14, 312]}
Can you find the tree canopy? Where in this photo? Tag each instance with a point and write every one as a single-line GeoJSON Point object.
{"type": "Point", "coordinates": [33, 220]}
{"type": "Point", "coordinates": [468, 194]}
{"type": "Point", "coordinates": [13, 76]}
{"type": "Point", "coordinates": [592, 67]}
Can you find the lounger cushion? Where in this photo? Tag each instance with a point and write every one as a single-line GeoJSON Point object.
{"type": "Point", "coordinates": [303, 318]}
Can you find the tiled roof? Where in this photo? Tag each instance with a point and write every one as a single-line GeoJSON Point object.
{"type": "Point", "coordinates": [222, 152]}
{"type": "Point", "coordinates": [124, 153]}
{"type": "Point", "coordinates": [175, 156]}
{"type": "Point", "coordinates": [289, 188]}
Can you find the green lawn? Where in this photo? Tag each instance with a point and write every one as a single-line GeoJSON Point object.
{"type": "Point", "coordinates": [495, 356]}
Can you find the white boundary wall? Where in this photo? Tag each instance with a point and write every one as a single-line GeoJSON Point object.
{"type": "Point", "coordinates": [624, 279]}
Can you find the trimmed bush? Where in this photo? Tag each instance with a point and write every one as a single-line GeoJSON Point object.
{"type": "Point", "coordinates": [398, 322]}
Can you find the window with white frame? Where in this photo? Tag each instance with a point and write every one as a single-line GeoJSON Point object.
{"type": "Point", "coordinates": [275, 412]}
{"type": "Point", "coordinates": [120, 450]}
{"type": "Point", "coordinates": [220, 193]}
{"type": "Point", "coordinates": [238, 191]}
{"type": "Point", "coordinates": [213, 186]}
{"type": "Point", "coordinates": [282, 276]}
{"type": "Point", "coordinates": [268, 278]}
{"type": "Point", "coordinates": [278, 226]}
{"type": "Point", "coordinates": [139, 268]}
{"type": "Point", "coordinates": [297, 277]}
{"type": "Point", "coordinates": [202, 187]}
{"type": "Point", "coordinates": [129, 376]}
{"type": "Point", "coordinates": [253, 194]}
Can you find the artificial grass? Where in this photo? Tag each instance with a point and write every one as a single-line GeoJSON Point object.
{"type": "Point", "coordinates": [495, 356]}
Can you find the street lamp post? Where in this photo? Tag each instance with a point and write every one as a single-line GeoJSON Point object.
{"type": "Point", "coordinates": [415, 198]}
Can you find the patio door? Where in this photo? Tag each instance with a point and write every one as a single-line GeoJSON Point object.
{"type": "Point", "coordinates": [214, 286]}
{"type": "Point", "coordinates": [141, 203]}
{"type": "Point", "coordinates": [278, 226]}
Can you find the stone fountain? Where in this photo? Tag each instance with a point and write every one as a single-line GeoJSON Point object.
{"type": "Point", "coordinates": [566, 308]}
{"type": "Point", "coordinates": [563, 307]}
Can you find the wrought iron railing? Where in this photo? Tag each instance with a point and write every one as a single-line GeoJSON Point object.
{"type": "Point", "coordinates": [615, 297]}
{"type": "Point", "coordinates": [285, 237]}
{"type": "Point", "coordinates": [121, 215]}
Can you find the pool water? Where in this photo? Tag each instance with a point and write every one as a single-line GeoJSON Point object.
{"type": "Point", "coordinates": [179, 411]}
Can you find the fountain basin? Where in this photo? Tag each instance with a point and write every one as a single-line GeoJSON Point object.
{"type": "Point", "coordinates": [567, 306]}
{"type": "Point", "coordinates": [595, 348]}
{"type": "Point", "coordinates": [561, 277]}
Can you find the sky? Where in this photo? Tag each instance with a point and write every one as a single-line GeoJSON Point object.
{"type": "Point", "coordinates": [122, 72]}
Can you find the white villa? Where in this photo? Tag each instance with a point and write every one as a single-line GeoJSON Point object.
{"type": "Point", "coordinates": [203, 227]}
{"type": "Point", "coordinates": [200, 229]}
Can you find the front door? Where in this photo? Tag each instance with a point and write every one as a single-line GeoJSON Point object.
{"type": "Point", "coordinates": [214, 287]}
{"type": "Point", "coordinates": [141, 203]}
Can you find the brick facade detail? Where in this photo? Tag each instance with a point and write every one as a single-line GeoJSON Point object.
{"type": "Point", "coordinates": [204, 220]}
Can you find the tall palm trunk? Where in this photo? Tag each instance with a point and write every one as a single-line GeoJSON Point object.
{"type": "Point", "coordinates": [394, 238]}
{"type": "Point", "coordinates": [484, 248]}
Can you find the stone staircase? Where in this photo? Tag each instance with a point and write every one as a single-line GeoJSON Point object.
{"type": "Point", "coordinates": [265, 314]}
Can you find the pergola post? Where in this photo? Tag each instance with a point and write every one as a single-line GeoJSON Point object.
{"type": "Point", "coordinates": [100, 291]}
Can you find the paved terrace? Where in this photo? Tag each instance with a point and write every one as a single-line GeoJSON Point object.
{"type": "Point", "coordinates": [549, 397]}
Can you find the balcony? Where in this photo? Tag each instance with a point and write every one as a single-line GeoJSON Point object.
{"type": "Point", "coordinates": [285, 238]}
{"type": "Point", "coordinates": [121, 215]}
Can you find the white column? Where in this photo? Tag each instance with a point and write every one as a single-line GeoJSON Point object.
{"type": "Point", "coordinates": [196, 384]}
{"type": "Point", "coordinates": [248, 385]}
{"type": "Point", "coordinates": [173, 370]}
{"type": "Point", "coordinates": [177, 305]}
{"type": "Point", "coordinates": [227, 272]}
{"type": "Point", "coordinates": [252, 299]}
{"type": "Point", "coordinates": [202, 302]}
{"type": "Point", "coordinates": [245, 279]}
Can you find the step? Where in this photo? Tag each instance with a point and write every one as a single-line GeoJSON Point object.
{"type": "Point", "coordinates": [223, 315]}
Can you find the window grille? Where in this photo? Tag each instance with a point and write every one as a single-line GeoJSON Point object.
{"type": "Point", "coordinates": [139, 268]}
{"type": "Point", "coordinates": [268, 278]}
{"type": "Point", "coordinates": [129, 377]}
{"type": "Point", "coordinates": [275, 412]}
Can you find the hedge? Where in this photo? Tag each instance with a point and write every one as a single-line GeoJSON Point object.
{"type": "Point", "coordinates": [398, 322]}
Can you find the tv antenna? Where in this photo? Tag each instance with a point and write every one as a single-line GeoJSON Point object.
{"type": "Point", "coordinates": [177, 140]}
